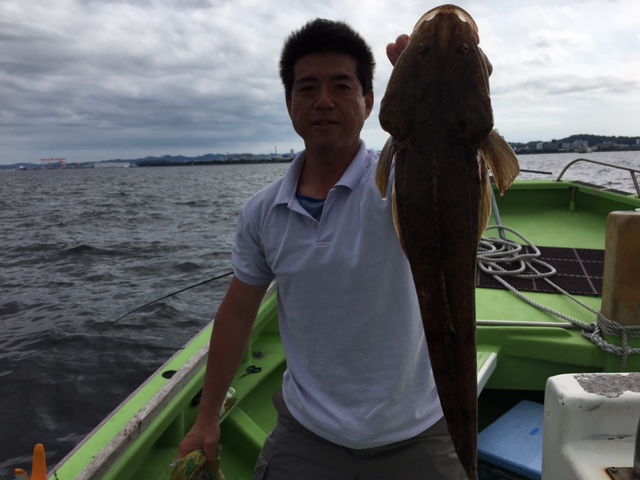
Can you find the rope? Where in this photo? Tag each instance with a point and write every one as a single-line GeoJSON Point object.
{"type": "Point", "coordinates": [495, 253]}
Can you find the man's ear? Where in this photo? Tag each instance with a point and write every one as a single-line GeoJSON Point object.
{"type": "Point", "coordinates": [287, 99]}
{"type": "Point", "coordinates": [368, 102]}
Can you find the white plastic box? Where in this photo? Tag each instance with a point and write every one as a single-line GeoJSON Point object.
{"type": "Point", "coordinates": [590, 424]}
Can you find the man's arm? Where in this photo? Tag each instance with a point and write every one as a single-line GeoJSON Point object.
{"type": "Point", "coordinates": [229, 341]}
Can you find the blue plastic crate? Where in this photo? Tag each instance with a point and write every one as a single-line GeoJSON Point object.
{"type": "Point", "coordinates": [514, 441]}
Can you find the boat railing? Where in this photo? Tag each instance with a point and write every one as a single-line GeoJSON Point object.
{"type": "Point", "coordinates": [632, 171]}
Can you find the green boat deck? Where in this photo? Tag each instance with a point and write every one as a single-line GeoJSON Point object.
{"type": "Point", "coordinates": [567, 215]}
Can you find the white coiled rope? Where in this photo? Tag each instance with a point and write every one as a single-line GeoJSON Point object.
{"type": "Point", "coordinates": [495, 253]}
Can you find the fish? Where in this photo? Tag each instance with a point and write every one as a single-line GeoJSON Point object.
{"type": "Point", "coordinates": [442, 146]}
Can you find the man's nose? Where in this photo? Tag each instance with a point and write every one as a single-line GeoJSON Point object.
{"type": "Point", "coordinates": [324, 99]}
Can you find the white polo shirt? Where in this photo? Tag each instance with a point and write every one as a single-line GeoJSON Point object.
{"type": "Point", "coordinates": [358, 369]}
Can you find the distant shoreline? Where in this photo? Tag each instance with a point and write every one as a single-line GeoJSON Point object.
{"type": "Point", "coordinates": [212, 162]}
{"type": "Point", "coordinates": [139, 164]}
{"type": "Point", "coordinates": [556, 152]}
{"type": "Point", "coordinates": [244, 160]}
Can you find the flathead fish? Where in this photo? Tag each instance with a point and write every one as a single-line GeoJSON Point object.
{"type": "Point", "coordinates": [438, 112]}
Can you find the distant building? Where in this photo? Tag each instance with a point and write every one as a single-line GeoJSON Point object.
{"type": "Point", "coordinates": [548, 146]}
{"type": "Point", "coordinates": [574, 146]}
{"type": "Point", "coordinates": [53, 162]}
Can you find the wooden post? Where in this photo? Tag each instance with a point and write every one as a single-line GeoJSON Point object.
{"type": "Point", "coordinates": [621, 289]}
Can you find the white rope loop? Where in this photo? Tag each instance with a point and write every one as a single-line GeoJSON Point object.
{"type": "Point", "coordinates": [496, 254]}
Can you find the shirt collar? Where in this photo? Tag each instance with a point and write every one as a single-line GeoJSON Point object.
{"type": "Point", "coordinates": [350, 178]}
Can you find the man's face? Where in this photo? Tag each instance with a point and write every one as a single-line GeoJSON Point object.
{"type": "Point", "coordinates": [327, 107]}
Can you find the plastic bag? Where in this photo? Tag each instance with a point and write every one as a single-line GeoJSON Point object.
{"type": "Point", "coordinates": [194, 466]}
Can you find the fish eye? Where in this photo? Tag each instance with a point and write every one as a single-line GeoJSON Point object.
{"type": "Point", "coordinates": [424, 48]}
{"type": "Point", "coordinates": [463, 48]}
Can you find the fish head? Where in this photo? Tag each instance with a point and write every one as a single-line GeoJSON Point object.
{"type": "Point", "coordinates": [440, 80]}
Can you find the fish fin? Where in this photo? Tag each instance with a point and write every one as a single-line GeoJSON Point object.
{"type": "Point", "coordinates": [485, 185]}
{"type": "Point", "coordinates": [502, 161]}
{"type": "Point", "coordinates": [396, 219]}
{"type": "Point", "coordinates": [383, 172]}
{"type": "Point", "coordinates": [384, 166]}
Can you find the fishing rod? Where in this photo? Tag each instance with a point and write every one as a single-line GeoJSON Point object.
{"type": "Point", "coordinates": [218, 277]}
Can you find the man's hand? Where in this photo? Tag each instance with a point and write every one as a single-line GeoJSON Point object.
{"type": "Point", "coordinates": [395, 49]}
{"type": "Point", "coordinates": [202, 436]}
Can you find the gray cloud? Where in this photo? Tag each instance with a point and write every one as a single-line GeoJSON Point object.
{"type": "Point", "coordinates": [91, 80]}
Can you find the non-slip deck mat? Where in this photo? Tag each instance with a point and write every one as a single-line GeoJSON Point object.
{"type": "Point", "coordinates": [579, 272]}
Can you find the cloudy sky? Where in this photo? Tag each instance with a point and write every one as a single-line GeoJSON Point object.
{"type": "Point", "coordinates": [95, 80]}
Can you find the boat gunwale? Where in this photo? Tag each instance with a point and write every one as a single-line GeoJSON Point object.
{"type": "Point", "coordinates": [632, 171]}
{"type": "Point", "coordinates": [106, 449]}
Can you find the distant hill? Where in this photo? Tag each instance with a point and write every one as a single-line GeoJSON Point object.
{"type": "Point", "coordinates": [208, 159]}
{"type": "Point", "coordinates": [174, 159]}
{"type": "Point", "coordinates": [165, 160]}
{"type": "Point", "coordinates": [595, 139]}
{"type": "Point", "coordinates": [598, 142]}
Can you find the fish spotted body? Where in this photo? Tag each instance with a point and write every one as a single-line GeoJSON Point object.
{"type": "Point", "coordinates": [438, 111]}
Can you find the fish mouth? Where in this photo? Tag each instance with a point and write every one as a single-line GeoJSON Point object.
{"type": "Point", "coordinates": [450, 10]}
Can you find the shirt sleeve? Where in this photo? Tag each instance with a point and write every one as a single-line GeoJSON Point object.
{"type": "Point", "coordinates": [247, 255]}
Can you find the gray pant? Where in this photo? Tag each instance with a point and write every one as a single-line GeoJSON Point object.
{"type": "Point", "coordinates": [292, 452]}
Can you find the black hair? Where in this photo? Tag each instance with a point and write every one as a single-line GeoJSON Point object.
{"type": "Point", "coordinates": [326, 36]}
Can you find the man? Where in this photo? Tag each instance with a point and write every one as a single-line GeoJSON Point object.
{"type": "Point", "coordinates": [358, 398]}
